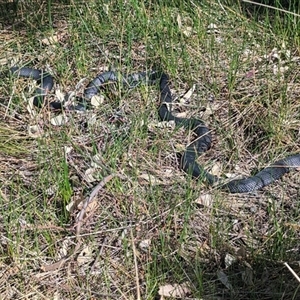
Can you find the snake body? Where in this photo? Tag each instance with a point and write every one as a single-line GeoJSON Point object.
{"type": "Point", "coordinates": [203, 142]}
{"type": "Point", "coordinates": [200, 145]}
{"type": "Point", "coordinates": [44, 79]}
{"type": "Point", "coordinates": [46, 82]}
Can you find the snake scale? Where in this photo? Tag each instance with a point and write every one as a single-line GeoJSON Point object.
{"type": "Point", "coordinates": [200, 145]}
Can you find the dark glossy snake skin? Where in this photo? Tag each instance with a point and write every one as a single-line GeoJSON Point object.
{"type": "Point", "coordinates": [44, 79]}
{"type": "Point", "coordinates": [46, 83]}
{"type": "Point", "coordinates": [201, 144]}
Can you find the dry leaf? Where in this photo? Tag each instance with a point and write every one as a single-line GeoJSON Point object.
{"type": "Point", "coordinates": [183, 114]}
{"type": "Point", "coordinates": [54, 266]}
{"type": "Point", "coordinates": [35, 131]}
{"type": "Point", "coordinates": [70, 206]}
{"type": "Point", "coordinates": [186, 97]}
{"type": "Point", "coordinates": [85, 256]}
{"type": "Point", "coordinates": [247, 276]}
{"type": "Point", "coordinates": [212, 28]}
{"type": "Point", "coordinates": [97, 161]}
{"type": "Point", "coordinates": [224, 279]}
{"type": "Point", "coordinates": [59, 120]}
{"type": "Point", "coordinates": [51, 191]}
{"type": "Point", "coordinates": [179, 23]}
{"type": "Point", "coordinates": [205, 200]}
{"type": "Point", "coordinates": [174, 290]}
{"type": "Point", "coordinates": [229, 260]}
{"type": "Point", "coordinates": [97, 100]}
{"type": "Point", "coordinates": [92, 120]}
{"type": "Point", "coordinates": [91, 206]}
{"type": "Point", "coordinates": [88, 175]}
{"type": "Point", "coordinates": [106, 8]}
{"type": "Point", "coordinates": [63, 251]}
{"type": "Point", "coordinates": [30, 107]}
{"type": "Point", "coordinates": [163, 124]}
{"type": "Point", "coordinates": [211, 108]}
{"type": "Point", "coordinates": [60, 95]}
{"type": "Point", "coordinates": [150, 178]}
{"type": "Point", "coordinates": [145, 245]}
{"type": "Point", "coordinates": [50, 40]}
{"type": "Point", "coordinates": [188, 31]}
{"type": "Point", "coordinates": [216, 169]}
{"type": "Point", "coordinates": [68, 149]}
{"type": "Point", "coordinates": [233, 176]}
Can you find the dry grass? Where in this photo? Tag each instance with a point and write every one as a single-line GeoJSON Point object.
{"type": "Point", "coordinates": [151, 225]}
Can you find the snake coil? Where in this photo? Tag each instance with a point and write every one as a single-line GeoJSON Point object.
{"type": "Point", "coordinates": [200, 145]}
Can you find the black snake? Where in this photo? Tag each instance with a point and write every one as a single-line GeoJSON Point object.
{"type": "Point", "coordinates": [200, 145]}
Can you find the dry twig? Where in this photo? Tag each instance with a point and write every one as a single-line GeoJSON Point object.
{"type": "Point", "coordinates": [95, 191]}
{"type": "Point", "coordinates": [292, 271]}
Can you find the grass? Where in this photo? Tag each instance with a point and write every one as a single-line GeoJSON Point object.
{"type": "Point", "coordinates": [157, 226]}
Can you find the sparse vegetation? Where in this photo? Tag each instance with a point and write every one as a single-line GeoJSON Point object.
{"type": "Point", "coordinates": [149, 225]}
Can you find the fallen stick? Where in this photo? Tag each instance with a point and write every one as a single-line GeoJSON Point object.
{"type": "Point", "coordinates": [95, 191]}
